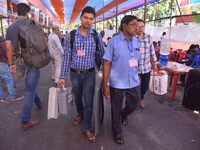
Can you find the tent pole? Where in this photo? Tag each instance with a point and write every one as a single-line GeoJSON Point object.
{"type": "Point", "coordinates": [145, 10]}
{"type": "Point", "coordinates": [179, 9]}
{"type": "Point", "coordinates": [95, 24]}
{"type": "Point", "coordinates": [103, 16]}
{"type": "Point", "coordinates": [171, 6]}
{"type": "Point", "coordinates": [2, 28]}
{"type": "Point", "coordinates": [116, 15]}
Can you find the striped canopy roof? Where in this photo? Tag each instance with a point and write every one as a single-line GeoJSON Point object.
{"type": "Point", "coordinates": [68, 11]}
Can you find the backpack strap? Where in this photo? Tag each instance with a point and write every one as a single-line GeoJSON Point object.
{"type": "Point", "coordinates": [72, 38]}
{"type": "Point", "coordinates": [96, 39]}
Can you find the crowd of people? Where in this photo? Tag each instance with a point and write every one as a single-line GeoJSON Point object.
{"type": "Point", "coordinates": [126, 61]}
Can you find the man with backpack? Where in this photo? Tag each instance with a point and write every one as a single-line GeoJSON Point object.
{"type": "Point", "coordinates": [27, 40]}
{"type": "Point", "coordinates": [83, 49]}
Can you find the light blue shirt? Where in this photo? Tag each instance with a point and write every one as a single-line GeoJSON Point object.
{"type": "Point", "coordinates": [119, 51]}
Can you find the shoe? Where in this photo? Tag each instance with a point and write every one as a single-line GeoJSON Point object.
{"type": "Point", "coordinates": [17, 98]}
{"type": "Point", "coordinates": [118, 139]}
{"type": "Point", "coordinates": [30, 124]}
{"type": "Point", "coordinates": [39, 107]}
{"type": "Point", "coordinates": [77, 120]}
{"type": "Point", "coordinates": [90, 136]}
{"type": "Point", "coordinates": [124, 121]}
{"type": "Point", "coordinates": [142, 106]}
{"type": "Point", "coordinates": [2, 99]}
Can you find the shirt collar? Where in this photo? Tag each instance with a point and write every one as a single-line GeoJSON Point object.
{"type": "Point", "coordinates": [145, 35]}
{"type": "Point", "coordinates": [122, 36]}
{"type": "Point", "coordinates": [90, 31]}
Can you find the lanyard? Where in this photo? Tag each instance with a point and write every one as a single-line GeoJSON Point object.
{"type": "Point", "coordinates": [82, 42]}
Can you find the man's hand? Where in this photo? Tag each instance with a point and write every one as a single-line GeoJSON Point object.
{"type": "Point", "coordinates": [61, 83]}
{"type": "Point", "coordinates": [106, 91]}
{"type": "Point", "coordinates": [155, 66]}
{"type": "Point", "coordinates": [13, 69]}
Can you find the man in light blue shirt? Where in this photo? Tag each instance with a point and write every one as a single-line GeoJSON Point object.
{"type": "Point", "coordinates": [120, 75]}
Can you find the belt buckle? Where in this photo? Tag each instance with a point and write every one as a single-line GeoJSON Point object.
{"type": "Point", "coordinates": [79, 71]}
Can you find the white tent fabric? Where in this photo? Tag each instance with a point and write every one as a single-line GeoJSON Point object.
{"type": "Point", "coordinates": [181, 36]}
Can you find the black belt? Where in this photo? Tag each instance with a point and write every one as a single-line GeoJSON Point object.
{"type": "Point", "coordinates": [79, 71]}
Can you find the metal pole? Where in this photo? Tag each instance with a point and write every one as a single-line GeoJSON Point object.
{"type": "Point", "coordinates": [145, 10]}
{"type": "Point", "coordinates": [179, 9]}
{"type": "Point", "coordinates": [95, 20]}
{"type": "Point", "coordinates": [2, 28]}
{"type": "Point", "coordinates": [116, 15]}
{"type": "Point", "coordinates": [170, 18]}
{"type": "Point", "coordinates": [103, 16]}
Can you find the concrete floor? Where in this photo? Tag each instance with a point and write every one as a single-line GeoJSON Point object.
{"type": "Point", "coordinates": [163, 125]}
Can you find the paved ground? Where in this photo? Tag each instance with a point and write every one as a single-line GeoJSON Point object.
{"type": "Point", "coordinates": [163, 125]}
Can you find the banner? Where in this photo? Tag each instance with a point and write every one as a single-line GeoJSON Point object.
{"type": "Point", "coordinates": [186, 10]}
{"type": "Point", "coordinates": [194, 1]}
{"type": "Point", "coordinates": [3, 8]}
{"type": "Point", "coordinates": [184, 2]}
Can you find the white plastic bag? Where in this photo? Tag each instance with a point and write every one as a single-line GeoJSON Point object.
{"type": "Point", "coordinates": [158, 82]}
{"type": "Point", "coordinates": [64, 100]}
{"type": "Point", "coordinates": [53, 103]}
{"type": "Point", "coordinates": [60, 101]}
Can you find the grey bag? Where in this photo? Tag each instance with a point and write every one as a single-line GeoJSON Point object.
{"type": "Point", "coordinates": [33, 45]}
{"type": "Point", "coordinates": [64, 100]}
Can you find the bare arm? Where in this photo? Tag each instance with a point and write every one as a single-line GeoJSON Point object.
{"type": "Point", "coordinates": [9, 51]}
{"type": "Point", "coordinates": [106, 72]}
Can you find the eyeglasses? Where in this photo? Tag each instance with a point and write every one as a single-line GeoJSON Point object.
{"type": "Point", "coordinates": [133, 24]}
{"type": "Point", "coordinates": [140, 26]}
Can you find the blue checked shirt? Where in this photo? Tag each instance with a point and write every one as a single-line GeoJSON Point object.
{"type": "Point", "coordinates": [72, 60]}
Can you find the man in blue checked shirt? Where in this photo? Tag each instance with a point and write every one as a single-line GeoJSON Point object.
{"type": "Point", "coordinates": [120, 75]}
{"type": "Point", "coordinates": [80, 58]}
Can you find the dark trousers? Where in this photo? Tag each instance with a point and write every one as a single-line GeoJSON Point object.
{"type": "Point", "coordinates": [83, 87]}
{"type": "Point", "coordinates": [117, 95]}
{"type": "Point", "coordinates": [145, 78]}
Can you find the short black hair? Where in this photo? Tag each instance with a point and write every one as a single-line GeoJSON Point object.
{"type": "Point", "coordinates": [89, 10]}
{"type": "Point", "coordinates": [140, 20]}
{"type": "Point", "coordinates": [126, 19]}
{"type": "Point", "coordinates": [164, 33]}
{"type": "Point", "coordinates": [23, 9]}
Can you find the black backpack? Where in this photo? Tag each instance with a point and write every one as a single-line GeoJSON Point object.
{"type": "Point", "coordinates": [33, 45]}
{"type": "Point", "coordinates": [96, 39]}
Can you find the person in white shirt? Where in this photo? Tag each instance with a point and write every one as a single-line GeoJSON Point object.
{"type": "Point", "coordinates": [56, 52]}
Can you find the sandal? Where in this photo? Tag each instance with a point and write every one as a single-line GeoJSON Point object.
{"type": "Point", "coordinates": [119, 139]}
{"type": "Point", "coordinates": [30, 124]}
{"type": "Point", "coordinates": [90, 136]}
{"type": "Point", "coordinates": [77, 121]}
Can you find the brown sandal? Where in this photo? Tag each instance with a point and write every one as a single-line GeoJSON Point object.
{"type": "Point", "coordinates": [30, 124]}
{"type": "Point", "coordinates": [77, 121]}
{"type": "Point", "coordinates": [90, 136]}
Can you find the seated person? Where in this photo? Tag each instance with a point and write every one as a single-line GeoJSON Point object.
{"type": "Point", "coordinates": [196, 61]}
{"type": "Point", "coordinates": [191, 53]}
